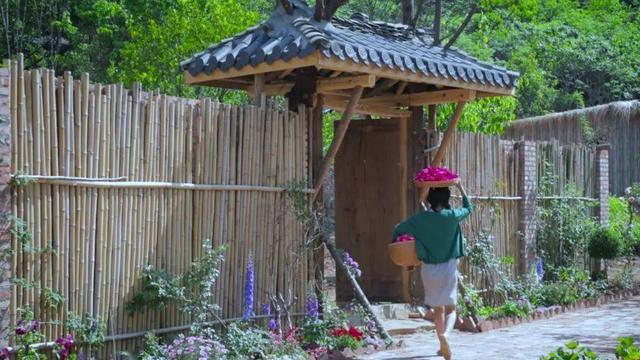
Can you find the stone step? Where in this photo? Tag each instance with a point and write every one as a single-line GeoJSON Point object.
{"type": "Point", "coordinates": [397, 311]}
{"type": "Point", "coordinates": [407, 327]}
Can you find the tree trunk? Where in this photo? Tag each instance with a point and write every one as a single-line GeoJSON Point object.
{"type": "Point", "coordinates": [407, 11]}
{"type": "Point", "coordinates": [436, 22]}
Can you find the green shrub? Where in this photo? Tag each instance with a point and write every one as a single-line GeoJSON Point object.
{"type": "Point", "coordinates": [520, 308]}
{"type": "Point", "coordinates": [625, 224]}
{"type": "Point", "coordinates": [626, 350]}
{"type": "Point", "coordinates": [605, 243]}
{"type": "Point", "coordinates": [624, 279]}
{"type": "Point", "coordinates": [558, 293]}
{"type": "Point", "coordinates": [244, 342]}
{"type": "Point", "coordinates": [564, 224]}
{"type": "Point", "coordinates": [572, 351]}
{"type": "Point", "coordinates": [570, 286]}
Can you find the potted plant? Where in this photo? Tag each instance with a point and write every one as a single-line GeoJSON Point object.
{"type": "Point", "coordinates": [605, 243]}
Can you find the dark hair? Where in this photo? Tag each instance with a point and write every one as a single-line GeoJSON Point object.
{"type": "Point", "coordinates": [439, 197]}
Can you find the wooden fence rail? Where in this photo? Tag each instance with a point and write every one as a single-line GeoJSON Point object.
{"type": "Point", "coordinates": [113, 180]}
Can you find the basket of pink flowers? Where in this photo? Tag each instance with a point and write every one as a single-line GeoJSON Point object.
{"type": "Point", "coordinates": [434, 177]}
{"type": "Point", "coordinates": [403, 251]}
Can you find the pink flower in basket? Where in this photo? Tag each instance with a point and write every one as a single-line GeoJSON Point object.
{"type": "Point", "coordinates": [405, 237]}
{"type": "Point", "coordinates": [435, 174]}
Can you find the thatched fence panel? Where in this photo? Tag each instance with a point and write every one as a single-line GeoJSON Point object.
{"type": "Point", "coordinates": [112, 180]}
{"type": "Point", "coordinates": [617, 124]}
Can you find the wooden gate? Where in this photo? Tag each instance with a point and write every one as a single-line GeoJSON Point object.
{"type": "Point", "coordinates": [371, 198]}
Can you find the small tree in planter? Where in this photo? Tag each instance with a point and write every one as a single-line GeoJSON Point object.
{"type": "Point", "coordinates": [605, 244]}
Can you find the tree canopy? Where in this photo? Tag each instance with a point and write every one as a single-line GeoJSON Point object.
{"type": "Point", "coordinates": [570, 53]}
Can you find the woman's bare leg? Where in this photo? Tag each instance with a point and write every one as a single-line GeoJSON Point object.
{"type": "Point", "coordinates": [444, 320]}
{"type": "Point", "coordinates": [438, 319]}
{"type": "Point", "coordinates": [449, 319]}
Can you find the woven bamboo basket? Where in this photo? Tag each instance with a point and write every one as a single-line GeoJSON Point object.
{"type": "Point", "coordinates": [404, 253]}
{"type": "Point", "coordinates": [436, 184]}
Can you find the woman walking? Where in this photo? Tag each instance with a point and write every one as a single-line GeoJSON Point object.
{"type": "Point", "coordinates": [439, 245]}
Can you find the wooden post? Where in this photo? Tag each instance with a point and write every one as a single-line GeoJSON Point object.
{"type": "Point", "coordinates": [258, 88]}
{"type": "Point", "coordinates": [432, 121]}
{"type": "Point", "coordinates": [413, 145]}
{"type": "Point", "coordinates": [317, 143]}
{"type": "Point", "coordinates": [337, 139]}
{"type": "Point", "coordinates": [322, 173]}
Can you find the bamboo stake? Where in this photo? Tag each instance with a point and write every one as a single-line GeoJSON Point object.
{"type": "Point", "coordinates": [37, 132]}
{"type": "Point", "coordinates": [30, 193]}
{"type": "Point", "coordinates": [13, 101]}
{"type": "Point", "coordinates": [47, 218]}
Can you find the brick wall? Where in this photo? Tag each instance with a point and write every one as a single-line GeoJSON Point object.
{"type": "Point", "coordinates": [602, 183]}
{"type": "Point", "coordinates": [528, 189]}
{"type": "Point", "coordinates": [5, 204]}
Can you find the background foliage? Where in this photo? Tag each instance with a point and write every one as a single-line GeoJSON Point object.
{"type": "Point", "coordinates": [571, 53]}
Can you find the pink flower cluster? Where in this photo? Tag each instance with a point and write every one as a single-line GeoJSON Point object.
{"type": "Point", "coordinates": [435, 174]}
{"type": "Point", "coordinates": [405, 237]}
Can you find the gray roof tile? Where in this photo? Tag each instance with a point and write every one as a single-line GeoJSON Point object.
{"type": "Point", "coordinates": [358, 39]}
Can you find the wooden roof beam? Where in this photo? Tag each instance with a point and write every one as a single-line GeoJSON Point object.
{"type": "Point", "coordinates": [348, 67]}
{"type": "Point", "coordinates": [423, 98]}
{"type": "Point", "coordinates": [340, 104]}
{"type": "Point", "coordinates": [324, 85]}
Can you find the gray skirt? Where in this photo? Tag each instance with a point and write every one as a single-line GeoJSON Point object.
{"type": "Point", "coordinates": [440, 283]}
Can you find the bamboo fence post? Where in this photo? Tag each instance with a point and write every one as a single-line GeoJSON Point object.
{"type": "Point", "coordinates": [13, 109]}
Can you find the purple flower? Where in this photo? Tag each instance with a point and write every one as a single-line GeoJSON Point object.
{"type": "Point", "coordinates": [21, 330]}
{"type": "Point", "coordinates": [34, 326]}
{"type": "Point", "coordinates": [273, 324]}
{"type": "Point", "coordinates": [266, 309]}
{"type": "Point", "coordinates": [248, 290]}
{"type": "Point", "coordinates": [311, 307]}
{"type": "Point", "coordinates": [5, 353]}
{"type": "Point", "coordinates": [352, 266]}
{"type": "Point", "coordinates": [539, 269]}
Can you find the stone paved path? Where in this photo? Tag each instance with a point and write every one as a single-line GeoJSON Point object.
{"type": "Point", "coordinates": [596, 328]}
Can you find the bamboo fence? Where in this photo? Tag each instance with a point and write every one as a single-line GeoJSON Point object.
{"type": "Point", "coordinates": [115, 179]}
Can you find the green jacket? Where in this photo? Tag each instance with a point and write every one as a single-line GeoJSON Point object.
{"type": "Point", "coordinates": [438, 235]}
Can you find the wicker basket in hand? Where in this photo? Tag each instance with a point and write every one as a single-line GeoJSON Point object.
{"type": "Point", "coordinates": [403, 253]}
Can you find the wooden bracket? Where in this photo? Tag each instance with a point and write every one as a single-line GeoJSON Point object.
{"type": "Point", "coordinates": [337, 139]}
